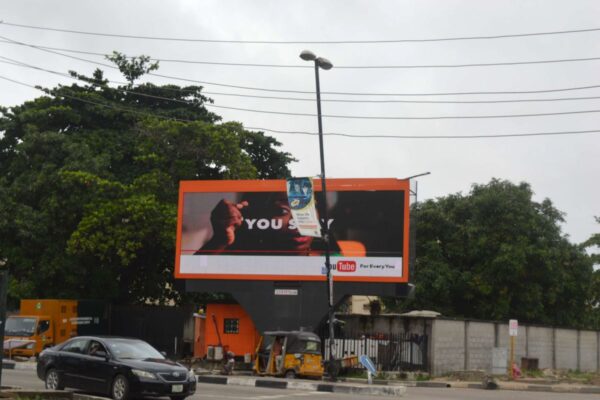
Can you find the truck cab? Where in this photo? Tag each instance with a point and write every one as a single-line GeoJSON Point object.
{"type": "Point", "coordinates": [28, 335]}
{"type": "Point", "coordinates": [41, 323]}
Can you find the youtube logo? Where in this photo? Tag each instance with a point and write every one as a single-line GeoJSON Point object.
{"type": "Point", "coordinates": [346, 266]}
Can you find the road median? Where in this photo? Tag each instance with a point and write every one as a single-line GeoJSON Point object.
{"type": "Point", "coordinates": [314, 386]}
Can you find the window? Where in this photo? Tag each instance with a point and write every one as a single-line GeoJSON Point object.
{"type": "Point", "coordinates": [75, 346]}
{"type": "Point", "coordinates": [232, 325]}
{"type": "Point", "coordinates": [43, 326]}
{"type": "Point", "coordinates": [95, 348]}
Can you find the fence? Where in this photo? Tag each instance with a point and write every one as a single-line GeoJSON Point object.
{"type": "Point", "coordinates": [389, 352]}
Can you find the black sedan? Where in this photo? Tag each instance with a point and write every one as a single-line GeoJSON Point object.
{"type": "Point", "coordinates": [122, 368]}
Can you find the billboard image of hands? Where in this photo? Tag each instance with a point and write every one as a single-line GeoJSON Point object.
{"type": "Point", "coordinates": [245, 230]}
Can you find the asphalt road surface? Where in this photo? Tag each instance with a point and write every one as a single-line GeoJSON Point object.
{"type": "Point", "coordinates": [29, 380]}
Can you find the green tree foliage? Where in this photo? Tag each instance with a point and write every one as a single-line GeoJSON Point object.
{"type": "Point", "coordinates": [497, 254]}
{"type": "Point", "coordinates": [594, 243]}
{"type": "Point", "coordinates": [89, 179]}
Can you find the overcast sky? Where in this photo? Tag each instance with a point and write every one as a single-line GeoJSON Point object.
{"type": "Point", "coordinates": [565, 168]}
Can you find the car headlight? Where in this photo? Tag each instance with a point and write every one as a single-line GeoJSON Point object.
{"type": "Point", "coordinates": [191, 374]}
{"type": "Point", "coordinates": [143, 374]}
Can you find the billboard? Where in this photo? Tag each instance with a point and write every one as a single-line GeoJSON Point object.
{"type": "Point", "coordinates": [244, 230]}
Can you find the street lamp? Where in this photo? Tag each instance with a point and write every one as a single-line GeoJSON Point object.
{"type": "Point", "coordinates": [325, 64]}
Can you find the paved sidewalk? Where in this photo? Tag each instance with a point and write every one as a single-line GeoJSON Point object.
{"type": "Point", "coordinates": [556, 388]}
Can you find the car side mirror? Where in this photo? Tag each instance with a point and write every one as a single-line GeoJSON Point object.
{"type": "Point", "coordinates": [101, 354]}
{"type": "Point", "coordinates": [164, 354]}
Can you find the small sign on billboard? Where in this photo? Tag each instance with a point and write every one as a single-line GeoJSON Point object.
{"type": "Point", "coordinates": [286, 292]}
{"type": "Point", "coordinates": [302, 205]}
{"type": "Point", "coordinates": [513, 327]}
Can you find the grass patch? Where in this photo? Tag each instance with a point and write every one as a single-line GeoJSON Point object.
{"type": "Point", "coordinates": [532, 373]}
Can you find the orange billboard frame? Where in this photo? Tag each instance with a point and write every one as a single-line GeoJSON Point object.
{"type": "Point", "coordinates": [279, 185]}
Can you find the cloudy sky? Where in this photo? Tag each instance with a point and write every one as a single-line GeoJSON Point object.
{"type": "Point", "coordinates": [564, 168]}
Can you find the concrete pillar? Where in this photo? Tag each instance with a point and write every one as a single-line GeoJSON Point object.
{"type": "Point", "coordinates": [496, 335]}
{"type": "Point", "coordinates": [527, 341]}
{"type": "Point", "coordinates": [431, 351]}
{"type": "Point", "coordinates": [553, 348]}
{"type": "Point", "coordinates": [466, 345]}
{"type": "Point", "coordinates": [578, 350]}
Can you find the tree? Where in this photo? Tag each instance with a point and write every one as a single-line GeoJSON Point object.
{"type": "Point", "coordinates": [497, 254]}
{"type": "Point", "coordinates": [89, 179]}
{"type": "Point", "coordinates": [594, 296]}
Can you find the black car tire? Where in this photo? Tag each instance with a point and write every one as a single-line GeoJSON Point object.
{"type": "Point", "coordinates": [290, 374]}
{"type": "Point", "coordinates": [120, 388]}
{"type": "Point", "coordinates": [53, 380]}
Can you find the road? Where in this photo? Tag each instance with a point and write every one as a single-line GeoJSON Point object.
{"type": "Point", "coordinates": [28, 379]}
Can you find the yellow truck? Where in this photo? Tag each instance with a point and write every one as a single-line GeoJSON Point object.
{"type": "Point", "coordinates": [43, 323]}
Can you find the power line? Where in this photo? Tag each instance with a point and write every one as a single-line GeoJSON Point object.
{"type": "Point", "coordinates": [293, 66]}
{"type": "Point", "coordinates": [25, 65]}
{"type": "Point", "coordinates": [444, 39]}
{"type": "Point", "coordinates": [367, 117]}
{"type": "Point", "coordinates": [323, 92]}
{"type": "Point", "coordinates": [347, 135]}
{"type": "Point", "coordinates": [381, 136]}
{"type": "Point", "coordinates": [118, 108]}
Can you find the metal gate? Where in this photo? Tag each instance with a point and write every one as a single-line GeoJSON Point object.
{"type": "Point", "coordinates": [389, 351]}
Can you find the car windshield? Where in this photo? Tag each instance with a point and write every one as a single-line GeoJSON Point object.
{"type": "Point", "coordinates": [312, 346]}
{"type": "Point", "coordinates": [133, 349]}
{"type": "Point", "coordinates": [19, 326]}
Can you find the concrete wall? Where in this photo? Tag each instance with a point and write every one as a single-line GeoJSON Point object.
{"type": "Point", "coordinates": [588, 351]}
{"type": "Point", "coordinates": [447, 346]}
{"type": "Point", "coordinates": [480, 342]}
{"type": "Point", "coordinates": [458, 345]}
{"type": "Point", "coordinates": [468, 345]}
{"type": "Point", "coordinates": [566, 349]}
{"type": "Point", "coordinates": [540, 345]}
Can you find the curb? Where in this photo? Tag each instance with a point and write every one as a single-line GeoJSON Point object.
{"type": "Point", "coordinates": [316, 386]}
{"type": "Point", "coordinates": [10, 364]}
{"type": "Point", "coordinates": [428, 384]}
{"type": "Point", "coordinates": [529, 387]}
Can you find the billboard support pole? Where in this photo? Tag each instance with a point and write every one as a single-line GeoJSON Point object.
{"type": "Point", "coordinates": [321, 62]}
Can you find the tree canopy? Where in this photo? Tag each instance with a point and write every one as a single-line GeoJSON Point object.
{"type": "Point", "coordinates": [593, 243]}
{"type": "Point", "coordinates": [89, 178]}
{"type": "Point", "coordinates": [497, 254]}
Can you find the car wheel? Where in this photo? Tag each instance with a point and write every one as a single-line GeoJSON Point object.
{"type": "Point", "coordinates": [53, 380]}
{"type": "Point", "coordinates": [120, 388]}
{"type": "Point", "coordinates": [290, 374]}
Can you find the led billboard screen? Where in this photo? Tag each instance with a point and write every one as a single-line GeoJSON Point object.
{"type": "Point", "coordinates": [244, 230]}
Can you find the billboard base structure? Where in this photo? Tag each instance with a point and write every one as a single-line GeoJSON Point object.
{"type": "Point", "coordinates": [291, 305]}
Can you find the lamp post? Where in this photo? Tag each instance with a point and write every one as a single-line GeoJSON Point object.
{"type": "Point", "coordinates": [325, 64]}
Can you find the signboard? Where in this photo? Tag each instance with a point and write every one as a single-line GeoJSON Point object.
{"type": "Point", "coordinates": [302, 204]}
{"type": "Point", "coordinates": [286, 292]}
{"type": "Point", "coordinates": [245, 230]}
{"type": "Point", "coordinates": [368, 364]}
{"type": "Point", "coordinates": [513, 327]}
